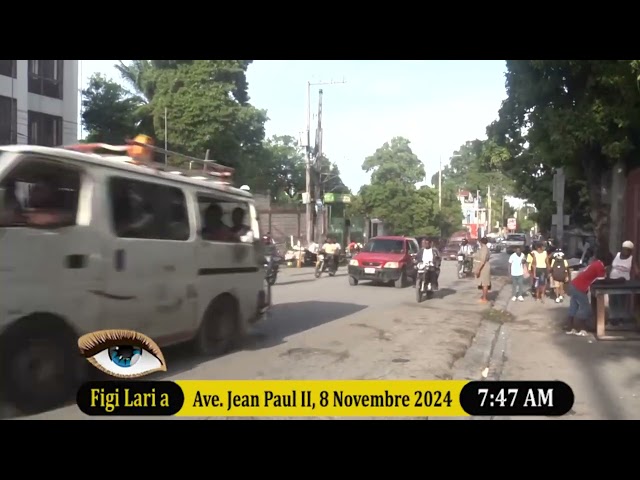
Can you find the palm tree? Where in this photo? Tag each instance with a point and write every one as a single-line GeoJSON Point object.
{"type": "Point", "coordinates": [140, 75]}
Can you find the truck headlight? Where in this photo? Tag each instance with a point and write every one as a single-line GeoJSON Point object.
{"type": "Point", "coordinates": [353, 263]}
{"type": "Point", "coordinates": [391, 265]}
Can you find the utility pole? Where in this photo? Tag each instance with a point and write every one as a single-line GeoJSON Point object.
{"type": "Point", "coordinates": [166, 159]}
{"type": "Point", "coordinates": [311, 200]}
{"type": "Point", "coordinates": [489, 225]}
{"type": "Point", "coordinates": [440, 184]}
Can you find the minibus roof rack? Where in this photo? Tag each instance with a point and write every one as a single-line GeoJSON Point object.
{"type": "Point", "coordinates": [139, 149]}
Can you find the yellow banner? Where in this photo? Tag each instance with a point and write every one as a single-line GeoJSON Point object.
{"type": "Point", "coordinates": [321, 398]}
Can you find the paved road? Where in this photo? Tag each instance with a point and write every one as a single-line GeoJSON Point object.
{"type": "Point", "coordinates": [325, 329]}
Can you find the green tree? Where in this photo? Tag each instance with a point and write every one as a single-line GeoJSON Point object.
{"type": "Point", "coordinates": [580, 115]}
{"type": "Point", "coordinates": [396, 162]}
{"type": "Point", "coordinates": [477, 165]}
{"type": "Point", "coordinates": [446, 220]}
{"type": "Point", "coordinates": [280, 169]}
{"type": "Point", "coordinates": [108, 111]}
{"type": "Point", "coordinates": [393, 197]}
{"type": "Point", "coordinates": [208, 110]}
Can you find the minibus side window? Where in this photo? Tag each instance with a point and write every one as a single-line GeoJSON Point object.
{"type": "Point", "coordinates": [224, 221]}
{"type": "Point", "coordinates": [39, 193]}
{"type": "Point", "coordinates": [148, 210]}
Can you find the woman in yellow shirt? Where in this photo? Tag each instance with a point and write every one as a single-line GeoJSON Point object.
{"type": "Point", "coordinates": [529, 263]}
{"type": "Point", "coordinates": [539, 270]}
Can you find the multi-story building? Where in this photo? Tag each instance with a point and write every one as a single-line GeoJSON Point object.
{"type": "Point", "coordinates": [474, 213]}
{"type": "Point", "coordinates": [38, 102]}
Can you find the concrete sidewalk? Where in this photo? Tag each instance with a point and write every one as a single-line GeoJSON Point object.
{"type": "Point", "coordinates": [604, 375]}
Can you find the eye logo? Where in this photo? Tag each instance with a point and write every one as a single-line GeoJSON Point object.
{"type": "Point", "coordinates": [122, 353]}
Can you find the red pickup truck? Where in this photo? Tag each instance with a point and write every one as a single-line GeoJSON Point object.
{"type": "Point", "coordinates": [385, 259]}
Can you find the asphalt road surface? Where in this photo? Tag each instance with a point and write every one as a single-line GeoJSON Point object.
{"type": "Point", "coordinates": [325, 329]}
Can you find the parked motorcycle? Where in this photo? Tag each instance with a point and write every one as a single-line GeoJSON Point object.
{"type": "Point", "coordinates": [425, 274]}
{"type": "Point", "coordinates": [465, 266]}
{"type": "Point", "coordinates": [326, 263]}
{"type": "Point", "coordinates": [271, 269]}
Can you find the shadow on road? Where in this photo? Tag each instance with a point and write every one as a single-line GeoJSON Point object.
{"type": "Point", "coordinates": [291, 318]}
{"type": "Point", "coordinates": [444, 292]}
{"type": "Point", "coordinates": [285, 319]}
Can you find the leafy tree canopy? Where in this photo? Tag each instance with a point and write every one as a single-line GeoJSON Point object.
{"type": "Point", "coordinates": [207, 107]}
{"type": "Point", "coordinates": [108, 111]}
{"type": "Point", "coordinates": [393, 197]}
{"type": "Point", "coordinates": [580, 115]}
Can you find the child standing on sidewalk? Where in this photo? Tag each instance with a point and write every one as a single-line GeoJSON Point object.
{"type": "Point", "coordinates": [559, 273]}
{"type": "Point", "coordinates": [517, 263]}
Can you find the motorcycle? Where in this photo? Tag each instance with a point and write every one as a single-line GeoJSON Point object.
{"type": "Point", "coordinates": [270, 269]}
{"type": "Point", "coordinates": [424, 278]}
{"type": "Point", "coordinates": [325, 263]}
{"type": "Point", "coordinates": [465, 266]}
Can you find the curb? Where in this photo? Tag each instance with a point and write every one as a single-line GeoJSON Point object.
{"type": "Point", "coordinates": [487, 351]}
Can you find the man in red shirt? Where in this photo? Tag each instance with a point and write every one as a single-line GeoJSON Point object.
{"type": "Point", "coordinates": [579, 307]}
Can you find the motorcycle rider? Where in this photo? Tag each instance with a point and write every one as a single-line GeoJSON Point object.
{"type": "Point", "coordinates": [466, 250]}
{"type": "Point", "coordinates": [430, 254]}
{"type": "Point", "coordinates": [332, 248]}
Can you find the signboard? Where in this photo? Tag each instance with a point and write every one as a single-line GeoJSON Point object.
{"type": "Point", "coordinates": [511, 223]}
{"type": "Point", "coordinates": [333, 198]}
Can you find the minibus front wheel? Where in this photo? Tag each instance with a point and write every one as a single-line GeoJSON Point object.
{"type": "Point", "coordinates": [40, 366]}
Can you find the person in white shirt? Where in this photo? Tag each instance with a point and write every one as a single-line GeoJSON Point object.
{"type": "Point", "coordinates": [517, 262]}
{"type": "Point", "coordinates": [622, 269]}
{"type": "Point", "coordinates": [429, 254]}
{"type": "Point", "coordinates": [465, 250]}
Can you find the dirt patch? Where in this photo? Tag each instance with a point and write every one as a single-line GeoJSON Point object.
{"type": "Point", "coordinates": [380, 334]}
{"type": "Point", "coordinates": [497, 315]}
{"type": "Point", "coordinates": [302, 353]}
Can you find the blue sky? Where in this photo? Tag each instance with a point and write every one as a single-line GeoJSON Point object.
{"type": "Point", "coordinates": [438, 105]}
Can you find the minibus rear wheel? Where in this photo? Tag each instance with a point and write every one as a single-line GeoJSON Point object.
{"type": "Point", "coordinates": [219, 329]}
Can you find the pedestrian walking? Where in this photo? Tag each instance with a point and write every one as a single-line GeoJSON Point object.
{"type": "Point", "coordinates": [517, 263]}
{"type": "Point", "coordinates": [483, 269]}
{"type": "Point", "coordinates": [559, 273]}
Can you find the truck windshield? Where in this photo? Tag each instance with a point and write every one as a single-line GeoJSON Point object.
{"type": "Point", "coordinates": [384, 246]}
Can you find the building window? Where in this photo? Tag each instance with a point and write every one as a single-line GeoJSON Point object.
{"type": "Point", "coordinates": [8, 68]}
{"type": "Point", "coordinates": [45, 77]}
{"type": "Point", "coordinates": [45, 130]}
{"type": "Point", "coordinates": [8, 121]}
